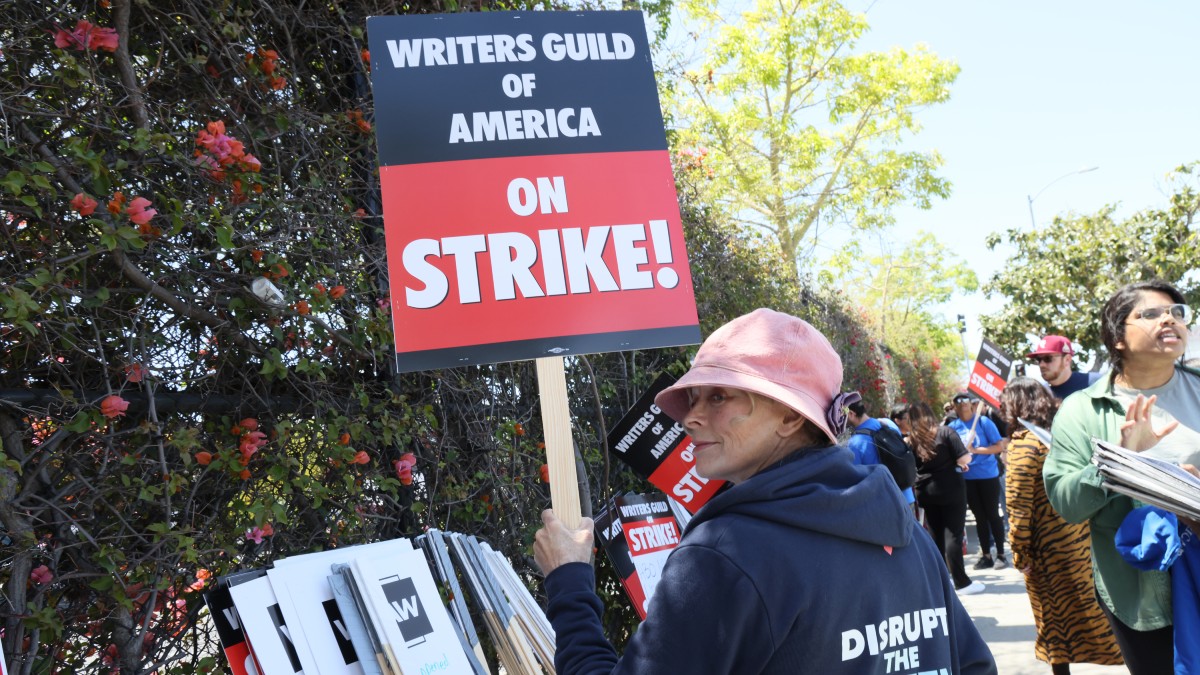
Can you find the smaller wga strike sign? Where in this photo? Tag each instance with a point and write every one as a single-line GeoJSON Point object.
{"type": "Point", "coordinates": [529, 203]}
{"type": "Point", "coordinates": [989, 375]}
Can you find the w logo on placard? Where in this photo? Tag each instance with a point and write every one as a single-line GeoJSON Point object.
{"type": "Point", "coordinates": [402, 597]}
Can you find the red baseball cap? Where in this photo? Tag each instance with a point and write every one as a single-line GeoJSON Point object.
{"type": "Point", "coordinates": [1052, 344]}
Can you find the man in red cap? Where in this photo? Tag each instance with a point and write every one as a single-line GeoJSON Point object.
{"type": "Point", "coordinates": [1053, 357]}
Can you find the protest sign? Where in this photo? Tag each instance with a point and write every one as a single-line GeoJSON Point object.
{"type": "Point", "coordinates": [229, 626]}
{"type": "Point", "coordinates": [273, 641]}
{"type": "Point", "coordinates": [529, 203]}
{"type": "Point", "coordinates": [306, 601]}
{"type": "Point", "coordinates": [989, 375]}
{"type": "Point", "coordinates": [658, 448]}
{"type": "Point", "coordinates": [651, 533]}
{"type": "Point", "coordinates": [611, 539]}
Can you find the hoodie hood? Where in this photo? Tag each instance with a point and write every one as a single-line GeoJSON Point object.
{"type": "Point", "coordinates": [821, 490]}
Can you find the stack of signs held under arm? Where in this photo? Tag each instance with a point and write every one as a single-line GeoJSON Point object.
{"type": "Point", "coordinates": [377, 609]}
{"type": "Point", "coordinates": [638, 532]}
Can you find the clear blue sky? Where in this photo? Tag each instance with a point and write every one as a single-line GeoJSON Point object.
{"type": "Point", "coordinates": [1046, 88]}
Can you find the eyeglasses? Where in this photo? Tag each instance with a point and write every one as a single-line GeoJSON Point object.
{"type": "Point", "coordinates": [1180, 312]}
{"type": "Point", "coordinates": [1046, 358]}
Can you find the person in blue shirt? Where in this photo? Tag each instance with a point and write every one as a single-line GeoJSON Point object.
{"type": "Point", "coordinates": [984, 442]}
{"type": "Point", "coordinates": [861, 444]}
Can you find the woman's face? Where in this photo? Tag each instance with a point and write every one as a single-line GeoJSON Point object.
{"type": "Point", "coordinates": [1164, 336]}
{"type": "Point", "coordinates": [902, 422]}
{"type": "Point", "coordinates": [736, 436]}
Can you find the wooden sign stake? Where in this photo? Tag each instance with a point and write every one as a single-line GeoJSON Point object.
{"type": "Point", "coordinates": [560, 453]}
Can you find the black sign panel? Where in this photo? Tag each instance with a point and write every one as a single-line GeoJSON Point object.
{"type": "Point", "coordinates": [550, 82]}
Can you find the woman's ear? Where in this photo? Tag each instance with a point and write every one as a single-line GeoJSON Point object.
{"type": "Point", "coordinates": [791, 423]}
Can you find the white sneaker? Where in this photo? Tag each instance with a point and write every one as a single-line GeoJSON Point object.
{"type": "Point", "coordinates": [975, 587]}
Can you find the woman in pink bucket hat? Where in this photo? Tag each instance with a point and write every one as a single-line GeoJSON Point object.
{"type": "Point", "coordinates": [807, 564]}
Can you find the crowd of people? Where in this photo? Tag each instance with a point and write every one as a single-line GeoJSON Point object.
{"type": "Point", "coordinates": [821, 557]}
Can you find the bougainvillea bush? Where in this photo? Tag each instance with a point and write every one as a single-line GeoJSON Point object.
{"type": "Point", "coordinates": [195, 330]}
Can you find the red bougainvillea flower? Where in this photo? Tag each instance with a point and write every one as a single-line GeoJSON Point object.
{"type": "Point", "coordinates": [544, 470]}
{"type": "Point", "coordinates": [250, 443]}
{"type": "Point", "coordinates": [135, 372]}
{"type": "Point", "coordinates": [302, 308]}
{"type": "Point", "coordinates": [519, 429]}
{"type": "Point", "coordinates": [256, 255]}
{"type": "Point", "coordinates": [113, 406]}
{"type": "Point", "coordinates": [202, 577]}
{"type": "Point", "coordinates": [356, 118]}
{"type": "Point", "coordinates": [361, 457]}
{"type": "Point", "coordinates": [221, 151]}
{"type": "Point", "coordinates": [249, 424]}
{"type": "Point", "coordinates": [245, 474]}
{"type": "Point", "coordinates": [267, 61]}
{"type": "Point", "coordinates": [116, 204]}
{"type": "Point", "coordinates": [139, 211]}
{"type": "Point", "coordinates": [41, 575]}
{"type": "Point", "coordinates": [270, 59]}
{"type": "Point", "coordinates": [337, 291]}
{"type": "Point", "coordinates": [268, 530]}
{"type": "Point", "coordinates": [84, 204]}
{"type": "Point", "coordinates": [104, 38]}
{"type": "Point", "coordinates": [404, 467]}
{"type": "Point", "coordinates": [204, 458]}
{"type": "Point", "coordinates": [87, 36]}
{"type": "Point", "coordinates": [344, 439]}
{"type": "Point", "coordinates": [255, 534]}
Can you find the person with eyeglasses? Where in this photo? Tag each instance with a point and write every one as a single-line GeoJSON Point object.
{"type": "Point", "coordinates": [1052, 356]}
{"type": "Point", "coordinates": [1149, 402]}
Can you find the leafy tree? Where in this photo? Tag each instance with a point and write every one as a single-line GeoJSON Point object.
{"type": "Point", "coordinates": [1058, 278]}
{"type": "Point", "coordinates": [797, 127]}
{"type": "Point", "coordinates": [899, 292]}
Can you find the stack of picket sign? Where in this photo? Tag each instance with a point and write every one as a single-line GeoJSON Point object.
{"type": "Point", "coordinates": [376, 610]}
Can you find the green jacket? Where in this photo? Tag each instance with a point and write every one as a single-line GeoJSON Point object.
{"type": "Point", "coordinates": [1141, 600]}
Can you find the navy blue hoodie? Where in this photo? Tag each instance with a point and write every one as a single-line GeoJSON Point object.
{"type": "Point", "coordinates": [812, 566]}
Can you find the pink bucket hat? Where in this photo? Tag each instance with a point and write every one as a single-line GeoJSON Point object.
{"type": "Point", "coordinates": [773, 354]}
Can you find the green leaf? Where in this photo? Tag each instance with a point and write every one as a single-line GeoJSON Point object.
{"type": "Point", "coordinates": [13, 182]}
{"type": "Point", "coordinates": [81, 423]}
{"type": "Point", "coordinates": [225, 236]}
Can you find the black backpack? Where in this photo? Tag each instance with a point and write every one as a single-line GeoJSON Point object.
{"type": "Point", "coordinates": [895, 454]}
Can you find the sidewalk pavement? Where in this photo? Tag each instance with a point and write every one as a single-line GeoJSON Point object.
{"type": "Point", "coordinates": [1004, 619]}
